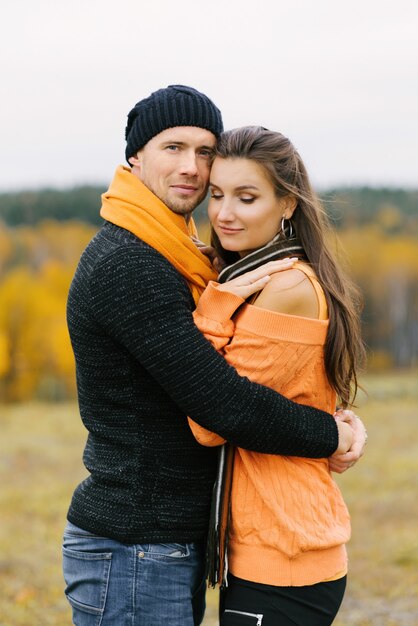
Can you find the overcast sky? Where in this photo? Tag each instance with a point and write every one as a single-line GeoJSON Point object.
{"type": "Point", "coordinates": [340, 79]}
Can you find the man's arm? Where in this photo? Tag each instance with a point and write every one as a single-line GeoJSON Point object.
{"type": "Point", "coordinates": [141, 300]}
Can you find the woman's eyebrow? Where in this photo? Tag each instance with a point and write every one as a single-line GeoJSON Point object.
{"type": "Point", "coordinates": [241, 187]}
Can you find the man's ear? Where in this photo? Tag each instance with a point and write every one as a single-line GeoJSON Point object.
{"type": "Point", "coordinates": [134, 160]}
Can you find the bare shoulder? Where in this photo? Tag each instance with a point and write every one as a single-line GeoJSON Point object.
{"type": "Point", "coordinates": [289, 292]}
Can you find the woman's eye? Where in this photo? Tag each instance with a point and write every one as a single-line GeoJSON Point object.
{"type": "Point", "coordinates": [247, 200]}
{"type": "Point", "coordinates": [216, 196]}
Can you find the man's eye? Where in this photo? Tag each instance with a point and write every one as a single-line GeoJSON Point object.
{"type": "Point", "coordinates": [172, 148]}
{"type": "Point", "coordinates": [206, 153]}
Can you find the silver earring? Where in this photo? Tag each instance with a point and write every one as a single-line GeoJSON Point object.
{"type": "Point", "coordinates": [286, 230]}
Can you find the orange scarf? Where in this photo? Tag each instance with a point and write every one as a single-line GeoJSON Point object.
{"type": "Point", "coordinates": [130, 204]}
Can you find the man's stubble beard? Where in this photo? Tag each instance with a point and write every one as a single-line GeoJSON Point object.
{"type": "Point", "coordinates": [183, 208]}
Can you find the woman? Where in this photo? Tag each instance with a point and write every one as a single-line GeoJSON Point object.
{"type": "Point", "coordinates": [300, 335]}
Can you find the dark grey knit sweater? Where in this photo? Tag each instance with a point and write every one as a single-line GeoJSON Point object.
{"type": "Point", "coordinates": [142, 367]}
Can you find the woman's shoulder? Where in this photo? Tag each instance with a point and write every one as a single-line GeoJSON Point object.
{"type": "Point", "coordinates": [291, 292]}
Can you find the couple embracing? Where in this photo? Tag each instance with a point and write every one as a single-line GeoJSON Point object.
{"type": "Point", "coordinates": [208, 379]}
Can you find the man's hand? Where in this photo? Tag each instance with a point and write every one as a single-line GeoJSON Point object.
{"type": "Point", "coordinates": [339, 463]}
{"type": "Point", "coordinates": [210, 252]}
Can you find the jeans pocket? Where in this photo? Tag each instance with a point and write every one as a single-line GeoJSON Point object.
{"type": "Point", "coordinates": [232, 617]}
{"type": "Point", "coordinates": [87, 577]}
{"type": "Point", "coordinates": [167, 550]}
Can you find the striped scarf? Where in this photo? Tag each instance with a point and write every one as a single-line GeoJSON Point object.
{"type": "Point", "coordinates": [219, 521]}
{"type": "Point", "coordinates": [279, 248]}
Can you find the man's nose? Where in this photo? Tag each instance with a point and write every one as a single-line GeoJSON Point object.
{"type": "Point", "coordinates": [189, 164]}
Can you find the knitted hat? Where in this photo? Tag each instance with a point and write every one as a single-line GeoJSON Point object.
{"type": "Point", "coordinates": [175, 105]}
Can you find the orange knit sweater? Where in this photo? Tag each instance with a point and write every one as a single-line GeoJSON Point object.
{"type": "Point", "coordinates": [289, 521]}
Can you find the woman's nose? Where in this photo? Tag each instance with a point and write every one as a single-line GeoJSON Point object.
{"type": "Point", "coordinates": [225, 213]}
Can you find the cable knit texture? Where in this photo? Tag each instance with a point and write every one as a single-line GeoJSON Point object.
{"type": "Point", "coordinates": [289, 521]}
{"type": "Point", "coordinates": [142, 367]}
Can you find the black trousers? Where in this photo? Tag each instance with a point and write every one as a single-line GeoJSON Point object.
{"type": "Point", "coordinates": [245, 603]}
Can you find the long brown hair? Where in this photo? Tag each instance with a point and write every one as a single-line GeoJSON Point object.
{"type": "Point", "coordinates": [344, 349]}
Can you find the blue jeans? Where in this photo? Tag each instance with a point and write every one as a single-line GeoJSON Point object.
{"type": "Point", "coordinates": [113, 584]}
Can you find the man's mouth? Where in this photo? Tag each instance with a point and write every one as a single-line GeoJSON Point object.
{"type": "Point", "coordinates": [185, 190]}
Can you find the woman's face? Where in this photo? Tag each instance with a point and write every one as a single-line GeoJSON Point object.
{"type": "Point", "coordinates": [243, 208]}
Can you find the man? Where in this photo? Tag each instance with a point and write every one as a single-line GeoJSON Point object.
{"type": "Point", "coordinates": [134, 545]}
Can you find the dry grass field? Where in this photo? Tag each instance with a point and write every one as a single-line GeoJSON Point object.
{"type": "Point", "coordinates": [40, 463]}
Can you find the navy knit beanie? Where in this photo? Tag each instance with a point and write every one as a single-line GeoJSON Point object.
{"type": "Point", "coordinates": [175, 105]}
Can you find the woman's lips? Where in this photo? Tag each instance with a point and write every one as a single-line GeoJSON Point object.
{"type": "Point", "coordinates": [229, 231]}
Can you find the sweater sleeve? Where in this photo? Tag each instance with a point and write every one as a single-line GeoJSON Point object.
{"type": "Point", "coordinates": [143, 303]}
{"type": "Point", "coordinates": [205, 437]}
{"type": "Point", "coordinates": [213, 317]}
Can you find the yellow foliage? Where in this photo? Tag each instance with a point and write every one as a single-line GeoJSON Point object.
{"type": "Point", "coordinates": [376, 255]}
{"type": "Point", "coordinates": [37, 264]}
{"type": "Point", "coordinates": [378, 360]}
{"type": "Point", "coordinates": [389, 217]}
{"type": "Point", "coordinates": [4, 355]}
{"type": "Point", "coordinates": [35, 351]}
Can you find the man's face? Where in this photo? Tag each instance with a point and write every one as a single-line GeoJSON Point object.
{"type": "Point", "coordinates": [175, 166]}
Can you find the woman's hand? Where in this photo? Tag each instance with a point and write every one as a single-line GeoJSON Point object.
{"type": "Point", "coordinates": [341, 461]}
{"type": "Point", "coordinates": [345, 438]}
{"type": "Point", "coordinates": [254, 281]}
